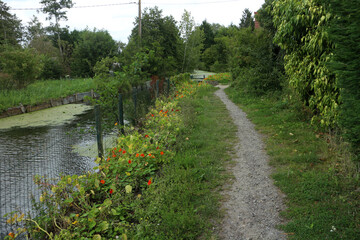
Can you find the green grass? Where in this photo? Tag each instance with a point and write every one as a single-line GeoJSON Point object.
{"type": "Point", "coordinates": [184, 203]}
{"type": "Point", "coordinates": [314, 171]}
{"type": "Point", "coordinates": [42, 91]}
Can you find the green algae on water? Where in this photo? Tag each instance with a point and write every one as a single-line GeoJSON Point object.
{"type": "Point", "coordinates": [47, 117]}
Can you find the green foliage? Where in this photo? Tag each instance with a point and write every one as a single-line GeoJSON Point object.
{"type": "Point", "coordinates": [161, 35]}
{"type": "Point", "coordinates": [247, 20]}
{"type": "Point", "coordinates": [302, 33]}
{"type": "Point", "coordinates": [345, 33]}
{"type": "Point", "coordinates": [91, 48]}
{"type": "Point", "coordinates": [208, 34]}
{"type": "Point", "coordinates": [42, 91]}
{"type": "Point", "coordinates": [102, 204]}
{"type": "Point", "coordinates": [180, 78]}
{"type": "Point", "coordinates": [254, 66]}
{"type": "Point", "coordinates": [10, 26]}
{"type": "Point", "coordinates": [223, 78]}
{"type": "Point", "coordinates": [313, 170]}
{"type": "Point", "coordinates": [21, 66]}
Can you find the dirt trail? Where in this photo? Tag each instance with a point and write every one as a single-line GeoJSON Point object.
{"type": "Point", "coordinates": [252, 202]}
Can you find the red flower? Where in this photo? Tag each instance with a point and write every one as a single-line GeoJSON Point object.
{"type": "Point", "coordinates": [149, 154]}
{"type": "Point", "coordinates": [120, 150]}
{"type": "Point", "coordinates": [157, 148]}
{"type": "Point", "coordinates": [177, 110]}
{"type": "Point", "coordinates": [129, 161]}
{"type": "Point", "coordinates": [114, 155]}
{"type": "Point", "coordinates": [162, 153]}
{"type": "Point", "coordinates": [137, 155]}
{"type": "Point", "coordinates": [102, 181]}
{"type": "Point", "coordinates": [124, 152]}
{"type": "Point", "coordinates": [146, 136]}
{"type": "Point", "coordinates": [152, 115]}
{"type": "Point", "coordinates": [111, 191]}
{"type": "Point", "coordinates": [108, 159]}
{"type": "Point", "coordinates": [172, 110]}
{"type": "Point", "coordinates": [149, 182]}
{"type": "Point", "coordinates": [143, 155]}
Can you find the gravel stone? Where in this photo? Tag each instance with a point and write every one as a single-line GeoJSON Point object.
{"type": "Point", "coordinates": [252, 203]}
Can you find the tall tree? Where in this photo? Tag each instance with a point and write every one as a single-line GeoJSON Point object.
{"type": "Point", "coordinates": [161, 35]}
{"type": "Point", "coordinates": [55, 9]}
{"type": "Point", "coordinates": [345, 32]}
{"type": "Point", "coordinates": [187, 25]}
{"type": "Point", "coordinates": [247, 20]}
{"type": "Point", "coordinates": [91, 48]}
{"type": "Point", "coordinates": [10, 26]}
{"type": "Point", "coordinates": [34, 30]}
{"type": "Point", "coordinates": [208, 33]}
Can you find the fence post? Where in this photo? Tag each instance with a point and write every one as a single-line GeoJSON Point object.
{"type": "Point", "coordinates": [168, 86]}
{"type": "Point", "coordinates": [121, 114]}
{"type": "Point", "coordinates": [157, 88]}
{"type": "Point", "coordinates": [135, 102]}
{"type": "Point", "coordinates": [99, 131]}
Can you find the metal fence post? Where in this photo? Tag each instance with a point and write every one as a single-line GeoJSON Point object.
{"type": "Point", "coordinates": [135, 102]}
{"type": "Point", "coordinates": [99, 131]}
{"type": "Point", "coordinates": [157, 88]}
{"type": "Point", "coordinates": [121, 114]}
{"type": "Point", "coordinates": [168, 86]}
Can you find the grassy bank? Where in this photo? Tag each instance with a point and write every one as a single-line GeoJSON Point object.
{"type": "Point", "coordinates": [314, 171]}
{"type": "Point", "coordinates": [184, 204]}
{"type": "Point", "coordinates": [43, 91]}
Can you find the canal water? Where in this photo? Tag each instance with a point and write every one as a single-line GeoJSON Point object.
{"type": "Point", "coordinates": [42, 144]}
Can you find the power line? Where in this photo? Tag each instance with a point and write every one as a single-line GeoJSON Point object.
{"type": "Point", "coordinates": [192, 3]}
{"type": "Point", "coordinates": [90, 6]}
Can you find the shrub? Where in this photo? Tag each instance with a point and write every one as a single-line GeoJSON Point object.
{"type": "Point", "coordinates": [23, 66]}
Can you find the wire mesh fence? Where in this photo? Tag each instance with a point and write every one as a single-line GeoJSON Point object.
{"type": "Point", "coordinates": [50, 151]}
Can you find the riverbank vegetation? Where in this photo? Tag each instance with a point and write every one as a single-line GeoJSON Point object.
{"type": "Point", "coordinates": [42, 91]}
{"type": "Point", "coordinates": [151, 184]}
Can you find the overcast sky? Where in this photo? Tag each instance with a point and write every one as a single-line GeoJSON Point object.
{"type": "Point", "coordinates": [119, 15]}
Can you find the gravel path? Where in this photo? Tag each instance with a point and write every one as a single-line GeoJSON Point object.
{"type": "Point", "coordinates": [252, 202]}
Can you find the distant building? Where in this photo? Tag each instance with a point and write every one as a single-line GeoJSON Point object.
{"type": "Point", "coordinates": [257, 24]}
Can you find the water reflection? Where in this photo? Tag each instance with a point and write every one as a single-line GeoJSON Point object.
{"type": "Point", "coordinates": [45, 151]}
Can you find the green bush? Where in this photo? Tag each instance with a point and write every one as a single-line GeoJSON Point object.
{"type": "Point", "coordinates": [22, 66]}
{"type": "Point", "coordinates": [180, 78]}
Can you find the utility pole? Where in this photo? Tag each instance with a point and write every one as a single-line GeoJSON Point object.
{"type": "Point", "coordinates": [140, 23]}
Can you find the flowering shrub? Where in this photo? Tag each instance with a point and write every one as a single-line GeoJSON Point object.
{"type": "Point", "coordinates": [220, 77]}
{"type": "Point", "coordinates": [100, 205]}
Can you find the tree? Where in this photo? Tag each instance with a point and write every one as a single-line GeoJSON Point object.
{"type": "Point", "coordinates": [54, 9]}
{"type": "Point", "coordinates": [345, 32]}
{"type": "Point", "coordinates": [10, 26]}
{"type": "Point", "coordinates": [34, 30]}
{"type": "Point", "coordinates": [91, 48]}
{"type": "Point", "coordinates": [247, 21]}
{"type": "Point", "coordinates": [160, 35]}
{"type": "Point", "coordinates": [23, 66]}
{"type": "Point", "coordinates": [208, 34]}
{"type": "Point", "coordinates": [302, 32]}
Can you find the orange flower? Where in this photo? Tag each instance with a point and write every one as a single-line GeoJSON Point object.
{"type": "Point", "coordinates": [120, 150]}
{"type": "Point", "coordinates": [114, 155]}
{"type": "Point", "coordinates": [102, 181]}
{"type": "Point", "coordinates": [162, 153]}
{"type": "Point", "coordinates": [143, 155]}
{"type": "Point", "coordinates": [149, 182]}
{"type": "Point", "coordinates": [116, 124]}
{"type": "Point", "coordinates": [146, 136]}
{"type": "Point", "coordinates": [108, 159]}
{"type": "Point", "coordinates": [150, 154]}
{"type": "Point", "coordinates": [12, 235]}
{"type": "Point", "coordinates": [137, 155]}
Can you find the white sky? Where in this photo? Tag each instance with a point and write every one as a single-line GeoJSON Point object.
{"type": "Point", "coordinates": [119, 19]}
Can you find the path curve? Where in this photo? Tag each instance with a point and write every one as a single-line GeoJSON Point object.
{"type": "Point", "coordinates": [252, 203]}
